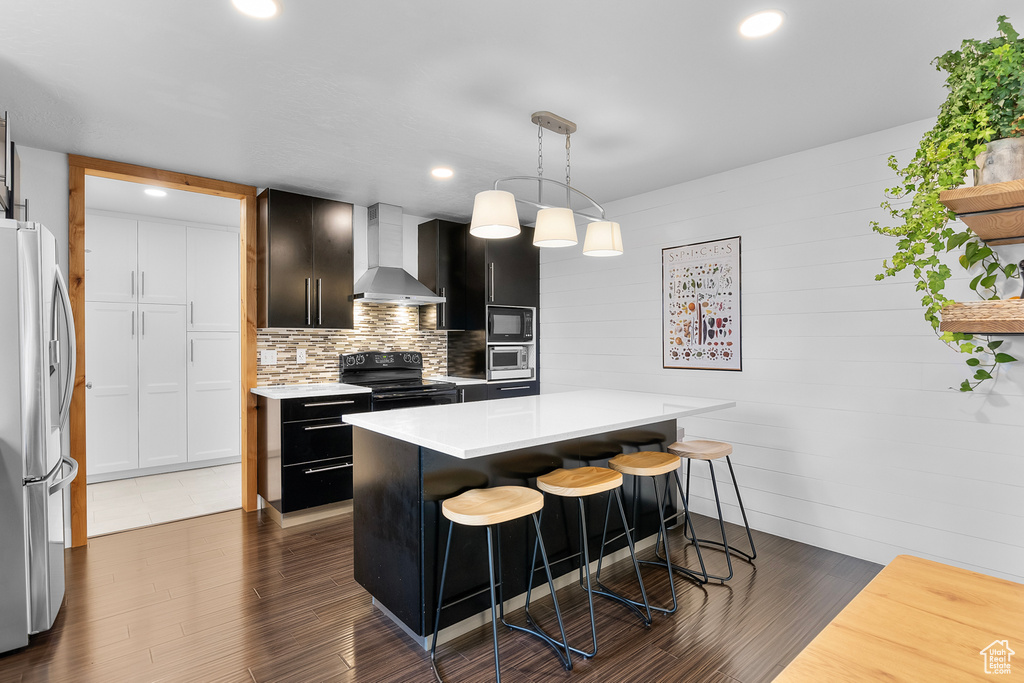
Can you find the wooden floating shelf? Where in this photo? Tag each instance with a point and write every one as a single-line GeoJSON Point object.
{"type": "Point", "coordinates": [984, 317]}
{"type": "Point", "coordinates": [994, 212]}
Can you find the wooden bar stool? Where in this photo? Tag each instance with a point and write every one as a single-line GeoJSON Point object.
{"type": "Point", "coordinates": [649, 464]}
{"type": "Point", "coordinates": [488, 508]}
{"type": "Point", "coordinates": [709, 451]}
{"type": "Point", "coordinates": [580, 483]}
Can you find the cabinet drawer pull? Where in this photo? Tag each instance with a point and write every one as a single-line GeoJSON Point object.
{"type": "Point", "coordinates": [133, 284]}
{"type": "Point", "coordinates": [327, 403]}
{"type": "Point", "coordinates": [319, 301]}
{"type": "Point", "coordinates": [492, 281]}
{"type": "Point", "coordinates": [331, 426]}
{"type": "Point", "coordinates": [444, 310]}
{"type": "Point", "coordinates": [512, 388]}
{"type": "Point", "coordinates": [327, 469]}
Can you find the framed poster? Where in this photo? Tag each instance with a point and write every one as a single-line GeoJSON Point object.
{"type": "Point", "coordinates": [701, 305]}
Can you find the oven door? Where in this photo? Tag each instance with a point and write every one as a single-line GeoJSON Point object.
{"type": "Point", "coordinates": [413, 399]}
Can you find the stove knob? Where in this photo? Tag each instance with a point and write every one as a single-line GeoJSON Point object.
{"type": "Point", "coordinates": [406, 357]}
{"type": "Point", "coordinates": [351, 360]}
{"type": "Point", "coordinates": [415, 358]}
{"type": "Point", "coordinates": [360, 359]}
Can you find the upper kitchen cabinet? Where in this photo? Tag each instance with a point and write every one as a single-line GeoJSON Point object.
{"type": "Point", "coordinates": [134, 261]}
{"type": "Point", "coordinates": [213, 301]}
{"type": "Point", "coordinates": [512, 270]}
{"type": "Point", "coordinates": [473, 273]}
{"type": "Point", "coordinates": [441, 253]}
{"type": "Point", "coordinates": [304, 261]}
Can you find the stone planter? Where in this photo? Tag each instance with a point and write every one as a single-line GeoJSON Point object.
{"type": "Point", "coordinates": [1001, 161]}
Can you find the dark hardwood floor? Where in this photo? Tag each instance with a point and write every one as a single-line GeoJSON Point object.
{"type": "Point", "coordinates": [233, 598]}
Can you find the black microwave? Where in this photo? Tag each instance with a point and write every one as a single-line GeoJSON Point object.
{"type": "Point", "coordinates": [509, 324]}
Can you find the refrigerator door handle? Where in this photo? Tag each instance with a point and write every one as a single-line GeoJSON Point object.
{"type": "Point", "coordinates": [69, 384]}
{"type": "Point", "coordinates": [63, 482]}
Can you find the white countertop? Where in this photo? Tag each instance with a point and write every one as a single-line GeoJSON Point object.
{"type": "Point", "coordinates": [457, 381]}
{"type": "Point", "coordinates": [283, 391]}
{"type": "Point", "coordinates": [471, 430]}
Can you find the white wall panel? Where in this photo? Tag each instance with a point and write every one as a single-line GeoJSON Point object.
{"type": "Point", "coordinates": [846, 431]}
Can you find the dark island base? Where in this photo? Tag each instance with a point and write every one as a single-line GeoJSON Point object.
{"type": "Point", "coordinates": [399, 543]}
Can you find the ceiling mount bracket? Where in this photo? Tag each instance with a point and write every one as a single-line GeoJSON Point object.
{"type": "Point", "coordinates": [553, 122]}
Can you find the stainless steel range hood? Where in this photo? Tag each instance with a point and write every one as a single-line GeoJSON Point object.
{"type": "Point", "coordinates": [385, 281]}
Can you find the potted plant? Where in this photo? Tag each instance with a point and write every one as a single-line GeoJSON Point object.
{"type": "Point", "coordinates": [985, 104]}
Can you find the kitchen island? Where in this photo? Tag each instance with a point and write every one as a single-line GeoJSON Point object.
{"type": "Point", "coordinates": [407, 461]}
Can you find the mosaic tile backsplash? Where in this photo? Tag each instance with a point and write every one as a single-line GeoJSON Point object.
{"type": "Point", "coordinates": [378, 327]}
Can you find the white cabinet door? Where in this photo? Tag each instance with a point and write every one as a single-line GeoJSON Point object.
{"type": "Point", "coordinates": [214, 401]}
{"type": "Point", "coordinates": [112, 387]}
{"type": "Point", "coordinates": [161, 263]}
{"type": "Point", "coordinates": [213, 286]}
{"type": "Point", "coordinates": [110, 259]}
{"type": "Point", "coordinates": [163, 420]}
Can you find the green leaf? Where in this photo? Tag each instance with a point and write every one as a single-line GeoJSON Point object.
{"type": "Point", "coordinates": [966, 386]}
{"type": "Point", "coordinates": [1004, 358]}
{"type": "Point", "coordinates": [973, 362]}
{"type": "Point", "coordinates": [993, 345]}
{"type": "Point", "coordinates": [988, 281]}
{"type": "Point", "coordinates": [982, 374]}
{"type": "Point", "coordinates": [967, 347]}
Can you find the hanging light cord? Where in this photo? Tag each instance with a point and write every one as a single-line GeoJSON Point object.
{"type": "Point", "coordinates": [567, 166]}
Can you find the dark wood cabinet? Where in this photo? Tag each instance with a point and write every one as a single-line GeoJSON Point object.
{"type": "Point", "coordinates": [512, 389]}
{"type": "Point", "coordinates": [511, 270]}
{"type": "Point", "coordinates": [304, 261]}
{"type": "Point", "coordinates": [472, 392]}
{"type": "Point", "coordinates": [473, 273]}
{"type": "Point", "coordinates": [304, 450]}
{"type": "Point", "coordinates": [442, 269]}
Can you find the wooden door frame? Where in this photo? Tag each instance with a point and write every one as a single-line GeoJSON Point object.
{"type": "Point", "coordinates": [78, 168]}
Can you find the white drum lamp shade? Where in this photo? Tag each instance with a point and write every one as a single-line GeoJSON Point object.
{"type": "Point", "coordinates": [555, 228]}
{"type": "Point", "coordinates": [494, 215]}
{"type": "Point", "coordinates": [604, 238]}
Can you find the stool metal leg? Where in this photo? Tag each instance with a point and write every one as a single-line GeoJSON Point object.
{"type": "Point", "coordinates": [561, 647]}
{"type": "Point", "coordinates": [739, 499]}
{"type": "Point", "coordinates": [494, 607]}
{"type": "Point", "coordinates": [702, 576]}
{"type": "Point", "coordinates": [440, 601]}
{"type": "Point", "coordinates": [604, 590]}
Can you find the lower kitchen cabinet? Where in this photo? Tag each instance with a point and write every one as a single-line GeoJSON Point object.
{"type": "Point", "coordinates": [472, 392]}
{"type": "Point", "coordinates": [112, 387]}
{"type": "Point", "coordinates": [305, 450]}
{"type": "Point", "coordinates": [163, 395]}
{"type": "Point", "coordinates": [214, 398]}
{"type": "Point", "coordinates": [511, 389]}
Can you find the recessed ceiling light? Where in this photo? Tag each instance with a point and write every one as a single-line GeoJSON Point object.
{"type": "Point", "coordinates": [261, 9]}
{"type": "Point", "coordinates": [153, 192]}
{"type": "Point", "coordinates": [761, 24]}
{"type": "Point", "coordinates": [442, 173]}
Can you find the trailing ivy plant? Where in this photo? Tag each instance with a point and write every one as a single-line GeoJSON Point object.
{"type": "Point", "coordinates": [985, 102]}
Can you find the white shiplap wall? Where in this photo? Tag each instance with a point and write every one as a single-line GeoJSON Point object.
{"type": "Point", "coordinates": [846, 433]}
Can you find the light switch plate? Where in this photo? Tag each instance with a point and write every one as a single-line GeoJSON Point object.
{"type": "Point", "coordinates": [300, 355]}
{"type": "Point", "coordinates": [268, 357]}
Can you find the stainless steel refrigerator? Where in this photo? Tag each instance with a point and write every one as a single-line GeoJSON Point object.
{"type": "Point", "coordinates": [37, 374]}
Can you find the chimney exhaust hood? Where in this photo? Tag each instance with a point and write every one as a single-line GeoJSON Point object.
{"type": "Point", "coordinates": [385, 281]}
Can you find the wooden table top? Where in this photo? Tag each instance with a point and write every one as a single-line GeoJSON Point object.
{"type": "Point", "coordinates": [919, 620]}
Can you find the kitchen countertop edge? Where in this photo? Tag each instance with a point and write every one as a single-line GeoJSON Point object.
{"type": "Point", "coordinates": [285, 391]}
{"type": "Point", "coordinates": [372, 422]}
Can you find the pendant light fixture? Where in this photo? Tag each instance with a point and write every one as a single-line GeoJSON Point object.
{"type": "Point", "coordinates": [495, 215]}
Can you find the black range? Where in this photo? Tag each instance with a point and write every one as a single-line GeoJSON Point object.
{"type": "Point", "coordinates": [395, 379]}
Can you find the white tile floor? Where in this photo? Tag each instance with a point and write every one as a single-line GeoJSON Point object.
{"type": "Point", "coordinates": [132, 503]}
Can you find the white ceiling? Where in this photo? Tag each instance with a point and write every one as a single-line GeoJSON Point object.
{"type": "Point", "coordinates": [188, 207]}
{"type": "Point", "coordinates": [358, 100]}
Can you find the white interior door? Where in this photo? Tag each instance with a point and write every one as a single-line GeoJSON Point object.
{"type": "Point", "coordinates": [213, 292]}
{"type": "Point", "coordinates": [214, 421]}
{"type": "Point", "coordinates": [161, 263]}
{"type": "Point", "coordinates": [112, 387]}
{"type": "Point", "coordinates": [110, 259]}
{"type": "Point", "coordinates": [163, 418]}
